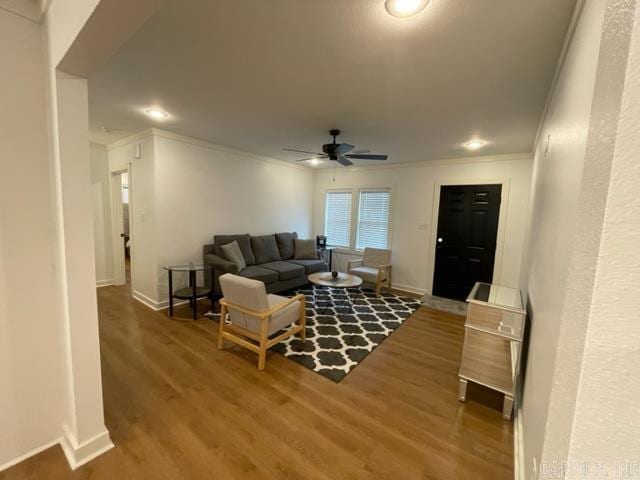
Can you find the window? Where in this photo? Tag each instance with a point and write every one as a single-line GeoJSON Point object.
{"type": "Point", "coordinates": [371, 225]}
{"type": "Point", "coordinates": [373, 219]}
{"type": "Point", "coordinates": [337, 223]}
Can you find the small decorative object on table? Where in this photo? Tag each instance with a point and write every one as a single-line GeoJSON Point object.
{"type": "Point", "coordinates": [493, 341]}
{"type": "Point", "coordinates": [193, 292]}
{"type": "Point", "coordinates": [334, 275]}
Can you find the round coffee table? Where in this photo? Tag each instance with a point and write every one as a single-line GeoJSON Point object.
{"type": "Point", "coordinates": [343, 280]}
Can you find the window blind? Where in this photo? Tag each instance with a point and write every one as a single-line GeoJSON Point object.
{"type": "Point", "coordinates": [337, 222]}
{"type": "Point", "coordinates": [373, 219]}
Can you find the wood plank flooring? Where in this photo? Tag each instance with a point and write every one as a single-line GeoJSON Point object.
{"type": "Point", "coordinates": [178, 408]}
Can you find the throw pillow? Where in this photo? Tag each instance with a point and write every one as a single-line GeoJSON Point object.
{"type": "Point", "coordinates": [265, 249]}
{"type": "Point", "coordinates": [233, 253]}
{"type": "Point", "coordinates": [285, 244]}
{"type": "Point", "coordinates": [305, 249]}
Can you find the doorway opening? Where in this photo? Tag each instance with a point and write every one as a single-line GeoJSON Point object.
{"type": "Point", "coordinates": [121, 234]}
{"type": "Point", "coordinates": [466, 238]}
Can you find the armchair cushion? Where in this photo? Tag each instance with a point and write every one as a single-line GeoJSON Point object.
{"type": "Point", "coordinates": [243, 242]}
{"type": "Point", "coordinates": [265, 249]}
{"type": "Point", "coordinates": [367, 274]}
{"type": "Point", "coordinates": [251, 295]}
{"type": "Point", "coordinates": [282, 318]}
{"type": "Point", "coordinates": [286, 245]}
{"type": "Point", "coordinates": [375, 257]}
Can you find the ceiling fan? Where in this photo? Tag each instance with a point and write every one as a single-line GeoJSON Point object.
{"type": "Point", "coordinates": [339, 152]}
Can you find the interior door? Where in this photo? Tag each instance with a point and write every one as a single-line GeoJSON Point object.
{"type": "Point", "coordinates": [466, 241]}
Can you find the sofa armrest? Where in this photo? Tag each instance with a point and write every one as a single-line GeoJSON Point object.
{"type": "Point", "coordinates": [220, 264]}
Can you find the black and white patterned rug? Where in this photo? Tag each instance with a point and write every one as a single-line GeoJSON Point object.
{"type": "Point", "coordinates": [342, 331]}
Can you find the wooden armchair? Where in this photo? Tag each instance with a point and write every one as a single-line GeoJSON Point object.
{"type": "Point", "coordinates": [374, 267]}
{"type": "Point", "coordinates": [254, 316]}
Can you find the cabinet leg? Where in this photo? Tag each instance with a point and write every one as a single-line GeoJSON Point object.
{"type": "Point", "coordinates": [507, 407]}
{"type": "Point", "coordinates": [462, 389]}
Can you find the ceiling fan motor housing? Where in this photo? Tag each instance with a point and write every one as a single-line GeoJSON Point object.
{"type": "Point", "coordinates": [330, 149]}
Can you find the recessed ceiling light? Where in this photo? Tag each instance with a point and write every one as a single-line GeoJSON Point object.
{"type": "Point", "coordinates": [315, 161]}
{"type": "Point", "coordinates": [475, 144]}
{"type": "Point", "coordinates": [156, 113]}
{"type": "Point", "coordinates": [405, 8]}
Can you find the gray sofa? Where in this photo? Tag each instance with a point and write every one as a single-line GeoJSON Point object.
{"type": "Point", "coordinates": [270, 259]}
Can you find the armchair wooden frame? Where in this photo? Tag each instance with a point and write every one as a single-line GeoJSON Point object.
{"type": "Point", "coordinates": [259, 342]}
{"type": "Point", "coordinates": [384, 274]}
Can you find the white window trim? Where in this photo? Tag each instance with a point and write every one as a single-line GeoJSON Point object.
{"type": "Point", "coordinates": [355, 214]}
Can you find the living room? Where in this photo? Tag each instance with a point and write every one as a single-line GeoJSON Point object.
{"type": "Point", "coordinates": [269, 234]}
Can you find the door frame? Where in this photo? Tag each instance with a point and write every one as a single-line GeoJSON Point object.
{"type": "Point", "coordinates": [502, 216]}
{"type": "Point", "coordinates": [119, 273]}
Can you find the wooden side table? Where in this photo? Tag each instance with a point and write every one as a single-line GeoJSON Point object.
{"type": "Point", "coordinates": [193, 292]}
{"type": "Point", "coordinates": [493, 335]}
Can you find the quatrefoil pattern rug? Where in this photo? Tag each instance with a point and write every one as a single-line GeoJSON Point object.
{"type": "Point", "coordinates": [342, 331]}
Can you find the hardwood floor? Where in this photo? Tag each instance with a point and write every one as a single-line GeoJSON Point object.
{"type": "Point", "coordinates": [178, 408]}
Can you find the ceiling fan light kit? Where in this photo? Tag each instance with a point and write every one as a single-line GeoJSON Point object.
{"type": "Point", "coordinates": [405, 8]}
{"type": "Point", "coordinates": [337, 152]}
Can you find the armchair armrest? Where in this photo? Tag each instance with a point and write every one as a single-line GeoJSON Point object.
{"type": "Point", "coordinates": [219, 263]}
{"type": "Point", "coordinates": [261, 315]}
{"type": "Point", "coordinates": [354, 263]}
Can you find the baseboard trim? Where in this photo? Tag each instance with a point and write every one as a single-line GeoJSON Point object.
{"type": "Point", "coordinates": [518, 445]}
{"type": "Point", "coordinates": [29, 454]}
{"type": "Point", "coordinates": [409, 289]}
{"type": "Point", "coordinates": [78, 454]}
{"type": "Point", "coordinates": [105, 283]}
{"type": "Point", "coordinates": [152, 304]}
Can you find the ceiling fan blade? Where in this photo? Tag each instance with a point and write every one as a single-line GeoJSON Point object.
{"type": "Point", "coordinates": [367, 156]}
{"type": "Point", "coordinates": [301, 151]}
{"type": "Point", "coordinates": [344, 161]}
{"type": "Point", "coordinates": [344, 148]}
{"type": "Point", "coordinates": [319, 157]}
{"type": "Point", "coordinates": [359, 151]}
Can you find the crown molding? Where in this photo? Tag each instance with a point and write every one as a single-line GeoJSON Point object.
{"type": "Point", "coordinates": [224, 149]}
{"type": "Point", "coordinates": [430, 163]}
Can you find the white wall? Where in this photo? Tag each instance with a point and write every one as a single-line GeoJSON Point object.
{"type": "Point", "coordinates": [569, 197]}
{"type": "Point", "coordinates": [413, 225]}
{"type": "Point", "coordinates": [31, 350]}
{"type": "Point", "coordinates": [142, 208]}
{"type": "Point", "coordinates": [203, 189]}
{"type": "Point", "coordinates": [101, 196]}
{"type": "Point", "coordinates": [609, 375]}
{"type": "Point", "coordinates": [183, 191]}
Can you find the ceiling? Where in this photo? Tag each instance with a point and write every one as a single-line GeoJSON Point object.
{"type": "Point", "coordinates": [263, 75]}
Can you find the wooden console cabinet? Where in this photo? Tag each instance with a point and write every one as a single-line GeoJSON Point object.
{"type": "Point", "coordinates": [494, 330]}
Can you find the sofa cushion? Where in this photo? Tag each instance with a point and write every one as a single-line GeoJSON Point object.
{"type": "Point", "coordinates": [285, 244]}
{"type": "Point", "coordinates": [244, 243]}
{"type": "Point", "coordinates": [265, 249]}
{"type": "Point", "coordinates": [286, 270]}
{"type": "Point", "coordinates": [305, 250]}
{"type": "Point", "coordinates": [258, 273]}
{"type": "Point", "coordinates": [311, 266]}
{"type": "Point", "coordinates": [233, 253]}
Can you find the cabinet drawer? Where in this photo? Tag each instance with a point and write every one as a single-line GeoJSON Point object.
{"type": "Point", "coordinates": [486, 359]}
{"type": "Point", "coordinates": [494, 320]}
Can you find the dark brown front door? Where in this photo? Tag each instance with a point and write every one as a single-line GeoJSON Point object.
{"type": "Point", "coordinates": [466, 241]}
